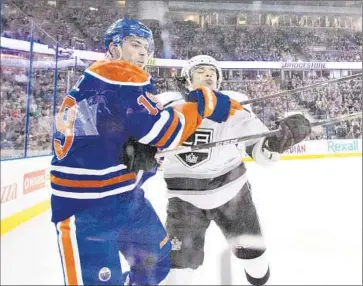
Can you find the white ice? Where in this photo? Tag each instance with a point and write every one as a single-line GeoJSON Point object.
{"type": "Point", "coordinates": [310, 211]}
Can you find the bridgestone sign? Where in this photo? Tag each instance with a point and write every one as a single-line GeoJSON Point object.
{"type": "Point", "coordinates": [303, 66]}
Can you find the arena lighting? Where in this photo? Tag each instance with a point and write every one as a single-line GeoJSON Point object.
{"type": "Point", "coordinates": [189, 18]}
{"type": "Point", "coordinates": [121, 3]}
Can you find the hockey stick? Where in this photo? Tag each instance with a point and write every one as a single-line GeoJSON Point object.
{"type": "Point", "coordinates": [292, 91]}
{"type": "Point", "coordinates": [183, 149]}
{"type": "Point", "coordinates": [300, 89]}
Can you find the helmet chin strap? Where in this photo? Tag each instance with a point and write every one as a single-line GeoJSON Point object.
{"type": "Point", "coordinates": [108, 55]}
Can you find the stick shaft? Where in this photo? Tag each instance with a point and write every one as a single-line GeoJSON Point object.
{"type": "Point", "coordinates": [300, 89]}
{"type": "Point", "coordinates": [253, 136]}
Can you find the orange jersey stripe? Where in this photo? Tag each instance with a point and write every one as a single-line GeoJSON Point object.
{"type": "Point", "coordinates": [92, 183]}
{"type": "Point", "coordinates": [210, 101]}
{"type": "Point", "coordinates": [163, 242]}
{"type": "Point", "coordinates": [234, 107]}
{"type": "Point", "coordinates": [192, 119]}
{"type": "Point", "coordinates": [170, 131]}
{"type": "Point", "coordinates": [68, 253]}
{"type": "Point", "coordinates": [118, 70]}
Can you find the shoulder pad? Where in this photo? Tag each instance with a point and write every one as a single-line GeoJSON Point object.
{"type": "Point", "coordinates": [235, 95]}
{"type": "Point", "coordinates": [238, 97]}
{"type": "Point", "coordinates": [169, 97]}
{"type": "Point", "coordinates": [119, 72]}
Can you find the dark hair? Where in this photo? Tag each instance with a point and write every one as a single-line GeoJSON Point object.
{"type": "Point", "coordinates": [180, 83]}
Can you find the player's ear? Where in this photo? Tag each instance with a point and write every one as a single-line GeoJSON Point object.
{"type": "Point", "coordinates": [115, 51]}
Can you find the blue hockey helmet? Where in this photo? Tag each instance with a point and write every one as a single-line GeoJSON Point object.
{"type": "Point", "coordinates": [127, 27]}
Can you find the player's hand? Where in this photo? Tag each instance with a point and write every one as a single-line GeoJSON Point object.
{"type": "Point", "coordinates": [294, 129]}
{"type": "Point", "coordinates": [214, 105]}
{"type": "Point", "coordinates": [137, 156]}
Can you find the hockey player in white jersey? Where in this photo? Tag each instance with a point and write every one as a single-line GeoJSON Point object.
{"type": "Point", "coordinates": [211, 184]}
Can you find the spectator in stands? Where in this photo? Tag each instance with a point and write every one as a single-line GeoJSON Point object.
{"type": "Point", "coordinates": [81, 28]}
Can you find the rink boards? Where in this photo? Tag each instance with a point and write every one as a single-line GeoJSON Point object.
{"type": "Point", "coordinates": [25, 190]}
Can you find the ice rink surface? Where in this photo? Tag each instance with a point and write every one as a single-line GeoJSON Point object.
{"type": "Point", "coordinates": [310, 211]}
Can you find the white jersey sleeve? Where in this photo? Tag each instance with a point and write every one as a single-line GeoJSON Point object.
{"type": "Point", "coordinates": [170, 98]}
{"type": "Point", "coordinates": [244, 122]}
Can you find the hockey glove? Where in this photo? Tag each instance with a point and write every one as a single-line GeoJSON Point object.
{"type": "Point", "coordinates": [294, 129]}
{"type": "Point", "coordinates": [137, 156]}
{"type": "Point", "coordinates": [213, 105]}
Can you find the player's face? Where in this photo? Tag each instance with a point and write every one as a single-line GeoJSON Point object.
{"type": "Point", "coordinates": [204, 76]}
{"type": "Point", "coordinates": [135, 50]}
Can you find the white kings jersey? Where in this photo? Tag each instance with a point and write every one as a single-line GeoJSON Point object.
{"type": "Point", "coordinates": [209, 178]}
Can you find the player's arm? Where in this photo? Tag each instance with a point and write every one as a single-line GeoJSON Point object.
{"type": "Point", "coordinates": [163, 128]}
{"type": "Point", "coordinates": [247, 123]}
{"type": "Point", "coordinates": [170, 98]}
{"type": "Point", "coordinates": [153, 128]}
{"type": "Point", "coordinates": [294, 129]}
{"type": "Point", "coordinates": [170, 127]}
{"type": "Point", "coordinates": [266, 151]}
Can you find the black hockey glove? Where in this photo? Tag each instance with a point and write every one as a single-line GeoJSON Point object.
{"type": "Point", "coordinates": [137, 156]}
{"type": "Point", "coordinates": [294, 129]}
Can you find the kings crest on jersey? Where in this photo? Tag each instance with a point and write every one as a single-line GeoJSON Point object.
{"type": "Point", "coordinates": [196, 158]}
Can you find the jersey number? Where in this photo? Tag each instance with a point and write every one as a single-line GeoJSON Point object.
{"type": "Point", "coordinates": [146, 101]}
{"type": "Point", "coordinates": [64, 123]}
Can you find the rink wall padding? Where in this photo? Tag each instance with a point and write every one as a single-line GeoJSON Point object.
{"type": "Point", "coordinates": [25, 183]}
{"type": "Point", "coordinates": [312, 156]}
{"type": "Point", "coordinates": [25, 190]}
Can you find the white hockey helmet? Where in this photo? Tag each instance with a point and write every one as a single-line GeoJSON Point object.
{"type": "Point", "coordinates": [188, 69]}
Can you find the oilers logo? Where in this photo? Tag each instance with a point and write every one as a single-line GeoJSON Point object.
{"type": "Point", "coordinates": [104, 274]}
{"type": "Point", "coordinates": [196, 158]}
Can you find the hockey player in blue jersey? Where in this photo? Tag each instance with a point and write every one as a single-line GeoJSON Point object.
{"type": "Point", "coordinates": [97, 204]}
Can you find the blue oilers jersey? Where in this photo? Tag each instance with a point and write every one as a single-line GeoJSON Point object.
{"type": "Point", "coordinates": [111, 102]}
